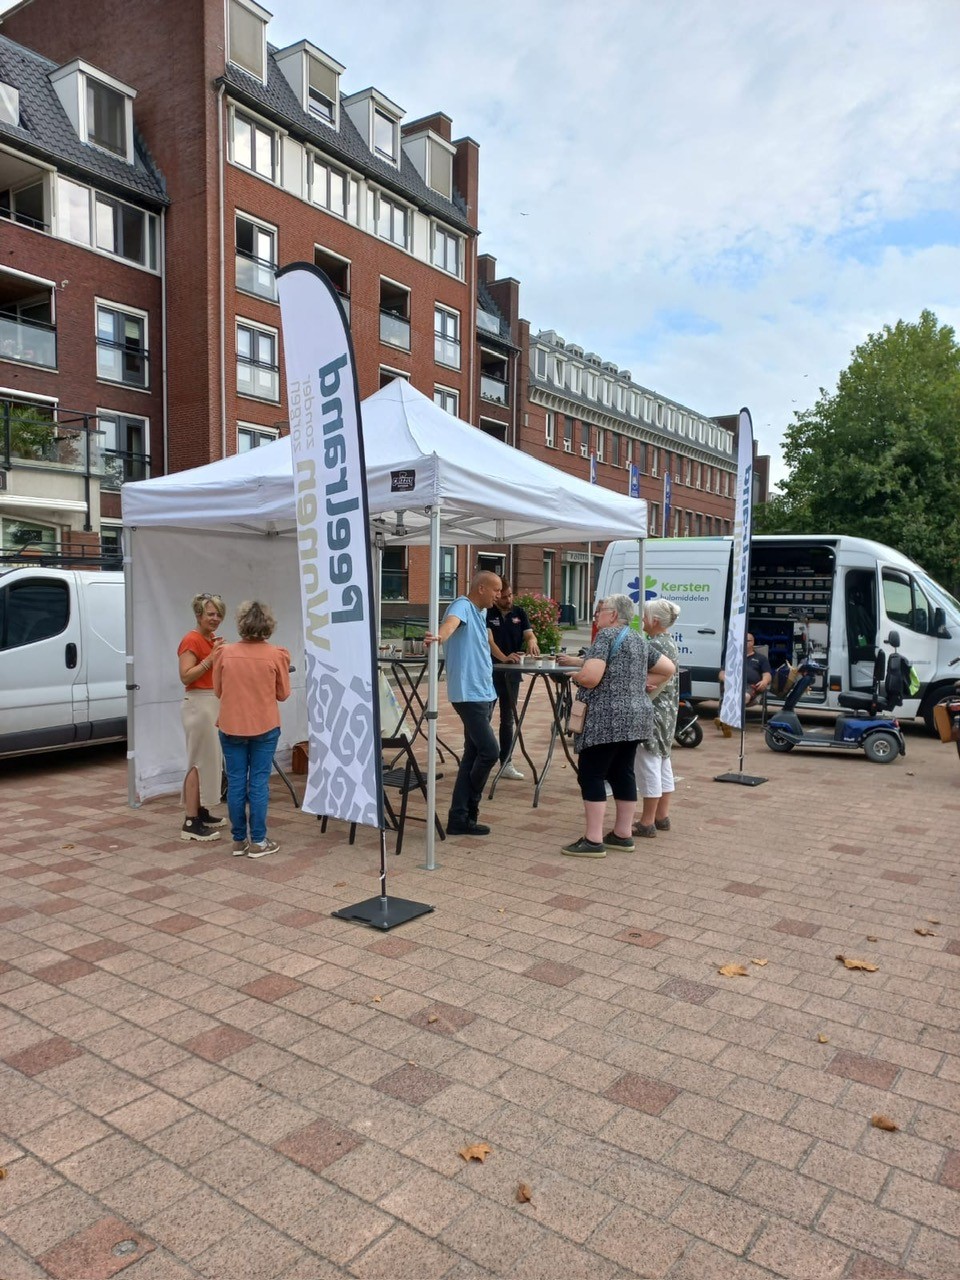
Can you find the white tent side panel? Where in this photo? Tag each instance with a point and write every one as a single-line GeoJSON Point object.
{"type": "Point", "coordinates": [170, 567]}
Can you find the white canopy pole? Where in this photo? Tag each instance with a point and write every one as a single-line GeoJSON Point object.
{"type": "Point", "coordinates": [129, 666]}
{"type": "Point", "coordinates": [433, 663]}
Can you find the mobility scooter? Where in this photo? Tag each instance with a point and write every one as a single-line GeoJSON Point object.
{"type": "Point", "coordinates": [866, 729]}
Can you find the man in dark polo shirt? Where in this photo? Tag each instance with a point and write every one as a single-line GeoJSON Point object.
{"type": "Point", "coordinates": [510, 634]}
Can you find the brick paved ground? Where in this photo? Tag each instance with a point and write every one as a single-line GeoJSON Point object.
{"type": "Point", "coordinates": [204, 1074]}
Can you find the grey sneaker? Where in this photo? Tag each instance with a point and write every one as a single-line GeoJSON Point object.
{"type": "Point", "coordinates": [241, 848]}
{"type": "Point", "coordinates": [584, 848]}
{"type": "Point", "coordinates": [194, 829]}
{"type": "Point", "coordinates": [260, 848]}
{"type": "Point", "coordinates": [612, 841]}
{"type": "Point", "coordinates": [511, 772]}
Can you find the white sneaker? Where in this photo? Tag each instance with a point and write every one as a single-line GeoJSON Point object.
{"type": "Point", "coordinates": [511, 772]}
{"type": "Point", "coordinates": [260, 848]}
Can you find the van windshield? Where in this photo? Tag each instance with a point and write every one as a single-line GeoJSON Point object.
{"type": "Point", "coordinates": [940, 595]}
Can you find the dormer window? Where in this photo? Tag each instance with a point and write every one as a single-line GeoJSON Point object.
{"type": "Point", "coordinates": [99, 107]}
{"type": "Point", "coordinates": [247, 37]}
{"type": "Point", "coordinates": [315, 78]}
{"type": "Point", "coordinates": [385, 135]}
{"type": "Point", "coordinates": [321, 92]}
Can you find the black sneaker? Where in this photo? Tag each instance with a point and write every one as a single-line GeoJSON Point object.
{"type": "Point", "coordinates": [468, 828]}
{"type": "Point", "coordinates": [194, 829]}
{"type": "Point", "coordinates": [209, 819]}
{"type": "Point", "coordinates": [584, 848]}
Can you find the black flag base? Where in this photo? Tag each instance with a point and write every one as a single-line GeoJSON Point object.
{"type": "Point", "coordinates": [383, 913]}
{"type": "Point", "coordinates": [744, 779]}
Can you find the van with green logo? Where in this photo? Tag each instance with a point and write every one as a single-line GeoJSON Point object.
{"type": "Point", "coordinates": [833, 597]}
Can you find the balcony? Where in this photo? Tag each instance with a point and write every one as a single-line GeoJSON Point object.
{"type": "Point", "coordinates": [121, 466]}
{"type": "Point", "coordinates": [256, 276]}
{"type": "Point", "coordinates": [488, 323]}
{"type": "Point", "coordinates": [493, 389]}
{"type": "Point", "coordinates": [393, 584]}
{"type": "Point", "coordinates": [262, 381]}
{"type": "Point", "coordinates": [29, 341]}
{"type": "Point", "coordinates": [394, 330]}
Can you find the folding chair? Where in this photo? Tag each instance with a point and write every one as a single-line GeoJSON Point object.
{"type": "Point", "coordinates": [404, 776]}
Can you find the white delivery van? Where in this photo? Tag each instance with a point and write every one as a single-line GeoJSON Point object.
{"type": "Point", "coordinates": [834, 597]}
{"type": "Point", "coordinates": [62, 659]}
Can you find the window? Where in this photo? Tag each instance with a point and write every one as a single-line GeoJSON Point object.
{"type": "Point", "coordinates": [329, 186]}
{"type": "Point", "coordinates": [338, 272]}
{"type": "Point", "coordinates": [574, 378]}
{"type": "Point", "coordinates": [391, 220]}
{"type": "Point", "coordinates": [559, 371]}
{"type": "Point", "coordinates": [73, 211]}
{"type": "Point", "coordinates": [111, 544]}
{"type": "Point", "coordinates": [441, 168]}
{"type": "Point", "coordinates": [567, 434]}
{"type": "Point", "coordinates": [698, 475]}
{"type": "Point", "coordinates": [27, 331]}
{"type": "Point", "coordinates": [614, 449]}
{"type": "Point", "coordinates": [447, 399]}
{"type": "Point", "coordinates": [252, 437]}
{"type": "Point", "coordinates": [31, 609]}
{"type": "Point", "coordinates": [591, 385]}
{"type": "Point", "coordinates": [122, 346]}
{"type": "Point", "coordinates": [654, 461]}
{"type": "Point", "coordinates": [905, 604]}
{"type": "Point", "coordinates": [384, 135]}
{"type": "Point", "coordinates": [256, 257]}
{"type": "Point", "coordinates": [584, 439]}
{"type": "Point", "coordinates": [446, 337]}
{"type": "Point", "coordinates": [26, 205]}
{"type": "Point", "coordinates": [446, 250]}
{"type": "Point", "coordinates": [322, 85]}
{"type": "Point", "coordinates": [448, 573]}
{"type": "Point", "coordinates": [493, 428]}
{"type": "Point", "coordinates": [550, 430]}
{"type": "Point", "coordinates": [654, 517]}
{"type": "Point", "coordinates": [493, 376]}
{"type": "Point", "coordinates": [395, 314]}
{"type": "Point", "coordinates": [258, 373]}
{"type": "Point", "coordinates": [388, 375]}
{"type": "Point", "coordinates": [254, 147]}
{"type": "Point", "coordinates": [600, 443]}
{"type": "Point", "coordinates": [125, 231]}
{"type": "Point", "coordinates": [393, 574]}
{"type": "Point", "coordinates": [248, 39]}
{"type": "Point", "coordinates": [106, 117]}
{"type": "Point", "coordinates": [540, 364]}
{"type": "Point", "coordinates": [124, 443]}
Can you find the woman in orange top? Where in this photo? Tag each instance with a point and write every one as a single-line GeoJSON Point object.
{"type": "Point", "coordinates": [250, 678]}
{"type": "Point", "coordinates": [198, 711]}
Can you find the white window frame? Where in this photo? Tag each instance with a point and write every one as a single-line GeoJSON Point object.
{"type": "Point", "coordinates": [257, 125]}
{"type": "Point", "coordinates": [381, 199]}
{"type": "Point", "coordinates": [122, 91]}
{"type": "Point", "coordinates": [269, 434]}
{"type": "Point", "coordinates": [122, 309]}
{"type": "Point", "coordinates": [337, 257]}
{"type": "Point", "coordinates": [269, 293]}
{"type": "Point", "coordinates": [331, 171]}
{"type": "Point", "coordinates": [138, 418]}
{"type": "Point", "coordinates": [600, 444]}
{"type": "Point", "coordinates": [550, 429]}
{"type": "Point", "coordinates": [255, 11]}
{"type": "Point", "coordinates": [392, 156]}
{"type": "Point", "coordinates": [445, 347]}
{"type": "Point", "coordinates": [394, 373]}
{"type": "Point", "coordinates": [448, 398]}
{"type": "Point", "coordinates": [569, 431]}
{"type": "Point", "coordinates": [443, 240]}
{"type": "Point", "coordinates": [242, 322]}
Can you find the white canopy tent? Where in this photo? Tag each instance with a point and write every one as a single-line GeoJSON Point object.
{"type": "Point", "coordinates": [230, 527]}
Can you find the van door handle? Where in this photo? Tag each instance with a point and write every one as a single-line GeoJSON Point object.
{"type": "Point", "coordinates": [71, 656]}
{"type": "Point", "coordinates": [706, 631]}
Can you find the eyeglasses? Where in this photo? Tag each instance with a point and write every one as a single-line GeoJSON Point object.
{"type": "Point", "coordinates": [604, 608]}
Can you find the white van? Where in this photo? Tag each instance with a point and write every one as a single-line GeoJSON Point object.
{"type": "Point", "coordinates": [834, 597]}
{"type": "Point", "coordinates": [62, 659]}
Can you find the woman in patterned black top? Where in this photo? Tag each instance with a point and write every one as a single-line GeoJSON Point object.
{"type": "Point", "coordinates": [653, 765]}
{"type": "Point", "coordinates": [613, 680]}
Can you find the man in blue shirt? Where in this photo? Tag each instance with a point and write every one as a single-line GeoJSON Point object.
{"type": "Point", "coordinates": [463, 633]}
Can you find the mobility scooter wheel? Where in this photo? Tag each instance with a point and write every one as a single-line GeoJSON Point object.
{"type": "Point", "coordinates": [881, 748]}
{"type": "Point", "coordinates": [776, 741]}
{"type": "Point", "coordinates": [690, 735]}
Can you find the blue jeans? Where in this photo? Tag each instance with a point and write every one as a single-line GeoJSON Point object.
{"type": "Point", "coordinates": [480, 753]}
{"type": "Point", "coordinates": [248, 762]}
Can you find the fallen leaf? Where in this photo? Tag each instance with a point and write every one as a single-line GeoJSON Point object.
{"type": "Point", "coordinates": [866, 965]}
{"type": "Point", "coordinates": [340, 884]}
{"type": "Point", "coordinates": [822, 1039]}
{"type": "Point", "coordinates": [732, 971]}
{"type": "Point", "coordinates": [884, 1123]}
{"type": "Point", "coordinates": [3, 1174]}
{"type": "Point", "coordinates": [501, 911]}
{"type": "Point", "coordinates": [70, 846]}
{"type": "Point", "coordinates": [434, 1017]}
{"type": "Point", "coordinates": [761, 963]}
{"type": "Point", "coordinates": [524, 1194]}
{"type": "Point", "coordinates": [479, 1151]}
{"type": "Point", "coordinates": [931, 920]}
{"type": "Point", "coordinates": [871, 937]}
{"type": "Point", "coordinates": [925, 933]}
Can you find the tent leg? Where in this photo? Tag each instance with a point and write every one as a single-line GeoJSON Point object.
{"type": "Point", "coordinates": [432, 681]}
{"type": "Point", "coordinates": [132, 800]}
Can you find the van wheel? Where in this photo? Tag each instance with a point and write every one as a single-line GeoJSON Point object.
{"type": "Point", "coordinates": [777, 742]}
{"type": "Point", "coordinates": [881, 748]}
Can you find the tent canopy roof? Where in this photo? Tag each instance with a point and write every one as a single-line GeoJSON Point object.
{"type": "Point", "coordinates": [417, 457]}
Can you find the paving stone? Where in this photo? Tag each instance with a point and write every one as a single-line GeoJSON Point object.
{"type": "Point", "coordinates": [43, 1056]}
{"type": "Point", "coordinates": [318, 1145]}
{"type": "Point", "coordinates": [650, 1096]}
{"type": "Point", "coordinates": [97, 1253]}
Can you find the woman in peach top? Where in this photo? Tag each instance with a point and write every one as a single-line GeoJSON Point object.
{"type": "Point", "coordinates": [250, 678]}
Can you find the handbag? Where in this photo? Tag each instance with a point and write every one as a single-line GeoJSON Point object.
{"type": "Point", "coordinates": [577, 717]}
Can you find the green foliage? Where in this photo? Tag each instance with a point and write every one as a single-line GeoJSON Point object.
{"type": "Point", "coordinates": [32, 432]}
{"type": "Point", "coordinates": [544, 614]}
{"type": "Point", "coordinates": [880, 457]}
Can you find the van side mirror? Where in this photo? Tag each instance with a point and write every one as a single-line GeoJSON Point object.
{"type": "Point", "coordinates": [893, 639]}
{"type": "Point", "coordinates": [940, 625]}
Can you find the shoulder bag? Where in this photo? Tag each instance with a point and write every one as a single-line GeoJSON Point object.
{"type": "Point", "coordinates": [578, 709]}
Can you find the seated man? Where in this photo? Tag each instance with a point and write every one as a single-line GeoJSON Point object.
{"type": "Point", "coordinates": [757, 675]}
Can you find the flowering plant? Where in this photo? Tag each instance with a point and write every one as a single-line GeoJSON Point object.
{"type": "Point", "coordinates": [544, 613]}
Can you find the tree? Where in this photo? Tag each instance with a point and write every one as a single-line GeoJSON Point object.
{"type": "Point", "coordinates": [880, 457]}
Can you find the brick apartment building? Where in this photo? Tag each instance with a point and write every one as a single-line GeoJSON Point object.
{"type": "Point", "coordinates": [244, 156]}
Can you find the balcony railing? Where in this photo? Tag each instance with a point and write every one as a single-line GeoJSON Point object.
{"type": "Point", "coordinates": [123, 465]}
{"type": "Point", "coordinates": [256, 275]}
{"type": "Point", "coordinates": [487, 322]}
{"type": "Point", "coordinates": [119, 363]}
{"type": "Point", "coordinates": [448, 586]}
{"type": "Point", "coordinates": [393, 584]}
{"type": "Point", "coordinates": [28, 340]}
{"type": "Point", "coordinates": [492, 388]}
{"type": "Point", "coordinates": [446, 351]}
{"type": "Point", "coordinates": [395, 330]}
{"type": "Point", "coordinates": [259, 380]}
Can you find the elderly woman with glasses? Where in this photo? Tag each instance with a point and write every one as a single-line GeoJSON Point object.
{"type": "Point", "coordinates": [198, 712]}
{"type": "Point", "coordinates": [613, 679]}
